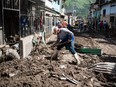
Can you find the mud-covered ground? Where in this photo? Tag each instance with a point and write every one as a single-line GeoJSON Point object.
{"type": "Point", "coordinates": [37, 71]}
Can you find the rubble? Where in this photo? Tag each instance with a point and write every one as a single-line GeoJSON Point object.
{"type": "Point", "coordinates": [12, 53]}
{"type": "Point", "coordinates": [37, 71]}
{"type": "Point", "coordinates": [105, 67]}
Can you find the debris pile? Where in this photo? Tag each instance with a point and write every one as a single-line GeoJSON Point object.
{"type": "Point", "coordinates": [37, 71]}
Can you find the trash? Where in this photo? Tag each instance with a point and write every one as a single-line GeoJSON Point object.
{"type": "Point", "coordinates": [71, 79]}
{"type": "Point", "coordinates": [16, 46]}
{"type": "Point", "coordinates": [105, 67]}
{"type": "Point", "coordinates": [12, 53]}
{"type": "Point", "coordinates": [62, 78]}
{"type": "Point", "coordinates": [94, 51]}
{"type": "Point", "coordinates": [12, 74]}
{"type": "Point", "coordinates": [63, 66]}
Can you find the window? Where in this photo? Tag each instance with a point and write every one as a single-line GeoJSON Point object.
{"type": "Point", "coordinates": [14, 4]}
{"type": "Point", "coordinates": [48, 25]}
{"type": "Point", "coordinates": [7, 3]}
{"type": "Point", "coordinates": [58, 2]}
{"type": "Point", "coordinates": [104, 12]}
{"type": "Point", "coordinates": [112, 19]}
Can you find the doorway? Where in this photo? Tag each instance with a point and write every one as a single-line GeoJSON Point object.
{"type": "Point", "coordinates": [11, 24]}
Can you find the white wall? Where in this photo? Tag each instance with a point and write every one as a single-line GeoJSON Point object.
{"type": "Point", "coordinates": [109, 9]}
{"type": "Point", "coordinates": [56, 7]}
{"type": "Point", "coordinates": [48, 4]}
{"type": "Point", "coordinates": [26, 46]}
{"type": "Point", "coordinates": [113, 8]}
{"type": "Point", "coordinates": [53, 5]}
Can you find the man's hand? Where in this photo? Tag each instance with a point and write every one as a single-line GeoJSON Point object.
{"type": "Point", "coordinates": [68, 41]}
{"type": "Point", "coordinates": [54, 44]}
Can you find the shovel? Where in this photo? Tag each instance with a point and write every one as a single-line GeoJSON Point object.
{"type": "Point", "coordinates": [55, 54]}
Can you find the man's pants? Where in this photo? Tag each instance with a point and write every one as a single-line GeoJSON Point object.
{"type": "Point", "coordinates": [69, 45]}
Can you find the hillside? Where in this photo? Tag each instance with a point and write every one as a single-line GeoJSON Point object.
{"type": "Point", "coordinates": [81, 6]}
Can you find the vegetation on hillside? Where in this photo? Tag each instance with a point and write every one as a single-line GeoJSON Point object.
{"type": "Point", "coordinates": [81, 6]}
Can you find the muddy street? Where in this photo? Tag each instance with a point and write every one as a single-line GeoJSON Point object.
{"type": "Point", "coordinates": [57, 43]}
{"type": "Point", "coordinates": [37, 71]}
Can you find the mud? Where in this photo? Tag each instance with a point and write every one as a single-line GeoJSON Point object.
{"type": "Point", "coordinates": [37, 71]}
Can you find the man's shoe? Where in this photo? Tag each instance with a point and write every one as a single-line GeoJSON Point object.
{"type": "Point", "coordinates": [77, 58]}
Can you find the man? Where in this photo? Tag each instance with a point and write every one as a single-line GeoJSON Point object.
{"type": "Point", "coordinates": [66, 38]}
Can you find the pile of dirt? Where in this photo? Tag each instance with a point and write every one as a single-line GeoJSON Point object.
{"type": "Point", "coordinates": [37, 71]}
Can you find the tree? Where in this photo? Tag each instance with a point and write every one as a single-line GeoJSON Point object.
{"type": "Point", "coordinates": [81, 6]}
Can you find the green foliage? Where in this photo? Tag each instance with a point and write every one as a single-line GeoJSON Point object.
{"type": "Point", "coordinates": [82, 6]}
{"type": "Point", "coordinates": [78, 3]}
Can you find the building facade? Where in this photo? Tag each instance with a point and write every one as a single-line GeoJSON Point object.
{"type": "Point", "coordinates": [24, 17]}
{"type": "Point", "coordinates": [104, 10]}
{"type": "Point", "coordinates": [20, 17]}
{"type": "Point", "coordinates": [108, 12]}
{"type": "Point", "coordinates": [54, 8]}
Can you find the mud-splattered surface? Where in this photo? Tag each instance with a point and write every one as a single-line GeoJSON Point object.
{"type": "Point", "coordinates": [37, 71]}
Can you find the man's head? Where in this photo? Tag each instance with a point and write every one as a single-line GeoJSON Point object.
{"type": "Point", "coordinates": [56, 30]}
{"type": "Point", "coordinates": [64, 24]}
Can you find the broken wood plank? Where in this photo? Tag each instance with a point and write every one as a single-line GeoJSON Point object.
{"type": "Point", "coordinates": [105, 67]}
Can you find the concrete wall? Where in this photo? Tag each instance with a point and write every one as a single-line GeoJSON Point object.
{"type": "Point", "coordinates": [56, 7]}
{"type": "Point", "coordinates": [107, 18]}
{"type": "Point", "coordinates": [26, 46]}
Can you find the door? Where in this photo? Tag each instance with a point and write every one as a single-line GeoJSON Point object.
{"type": "Point", "coordinates": [11, 23]}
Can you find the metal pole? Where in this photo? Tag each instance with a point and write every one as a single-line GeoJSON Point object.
{"type": "Point", "coordinates": [3, 31]}
{"type": "Point", "coordinates": [19, 18]}
{"type": "Point", "coordinates": [73, 9]}
{"type": "Point", "coordinates": [99, 10]}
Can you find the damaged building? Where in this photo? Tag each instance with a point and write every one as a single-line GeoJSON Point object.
{"type": "Point", "coordinates": [19, 19]}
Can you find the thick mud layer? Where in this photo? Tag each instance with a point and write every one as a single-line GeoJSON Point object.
{"type": "Point", "coordinates": [37, 70]}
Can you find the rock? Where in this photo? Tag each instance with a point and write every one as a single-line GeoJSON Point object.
{"type": "Point", "coordinates": [63, 66]}
{"type": "Point", "coordinates": [29, 57]}
{"type": "Point", "coordinates": [97, 84]}
{"type": "Point", "coordinates": [11, 74]}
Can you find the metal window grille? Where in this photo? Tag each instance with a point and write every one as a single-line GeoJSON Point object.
{"type": "Point", "coordinates": [48, 25]}
{"type": "Point", "coordinates": [13, 4]}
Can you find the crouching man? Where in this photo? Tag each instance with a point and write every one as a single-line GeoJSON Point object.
{"type": "Point", "coordinates": [66, 38]}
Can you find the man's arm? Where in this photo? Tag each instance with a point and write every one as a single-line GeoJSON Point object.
{"type": "Point", "coordinates": [56, 42]}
